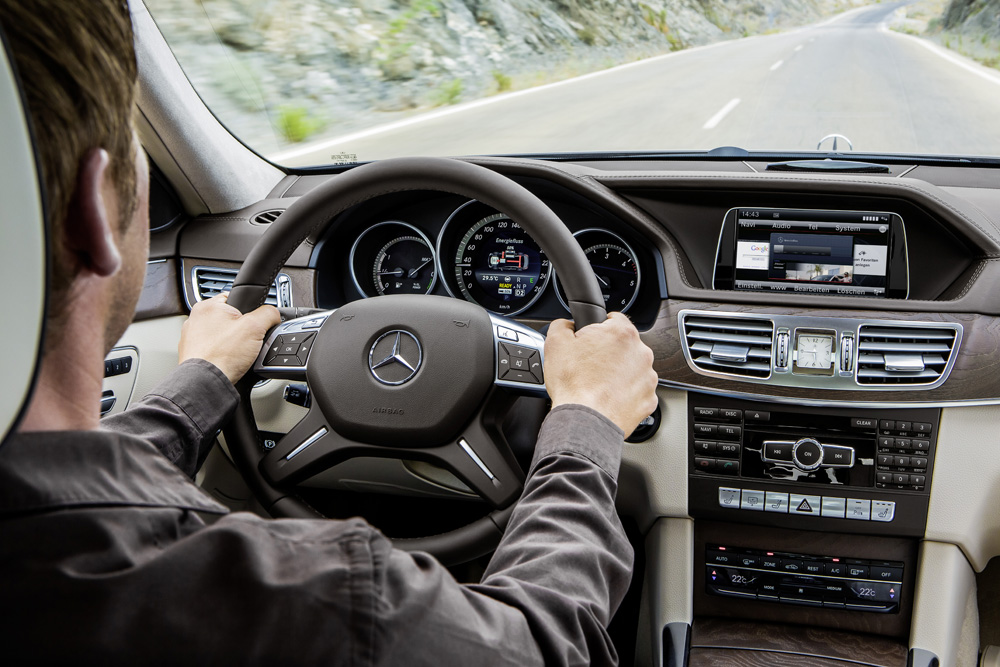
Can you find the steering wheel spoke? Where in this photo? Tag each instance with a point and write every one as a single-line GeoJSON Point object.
{"type": "Point", "coordinates": [519, 353]}
{"type": "Point", "coordinates": [285, 353]}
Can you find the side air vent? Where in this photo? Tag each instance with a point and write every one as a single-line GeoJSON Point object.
{"type": "Point", "coordinates": [739, 346]}
{"type": "Point", "coordinates": [209, 281]}
{"type": "Point", "coordinates": [266, 217]}
{"type": "Point", "coordinates": [901, 355]}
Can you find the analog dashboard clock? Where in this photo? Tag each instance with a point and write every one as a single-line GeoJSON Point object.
{"type": "Point", "coordinates": [814, 353]}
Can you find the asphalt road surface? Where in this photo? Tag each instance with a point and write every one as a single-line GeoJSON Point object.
{"type": "Point", "coordinates": [886, 91]}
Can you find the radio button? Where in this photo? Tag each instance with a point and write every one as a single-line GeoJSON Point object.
{"type": "Point", "coordinates": [706, 413]}
{"type": "Point", "coordinates": [752, 500]}
{"type": "Point", "coordinates": [902, 461]}
{"type": "Point", "coordinates": [729, 497]}
{"type": "Point", "coordinates": [863, 422]}
{"type": "Point", "coordinates": [859, 509]}
{"type": "Point", "coordinates": [886, 442]}
{"type": "Point", "coordinates": [921, 445]}
{"type": "Point", "coordinates": [922, 427]}
{"type": "Point", "coordinates": [903, 426]}
{"type": "Point", "coordinates": [918, 481]}
{"type": "Point", "coordinates": [834, 507]}
{"type": "Point", "coordinates": [799, 504]}
{"type": "Point", "coordinates": [883, 478]}
{"type": "Point", "coordinates": [709, 430]}
{"type": "Point", "coordinates": [901, 443]}
{"type": "Point", "coordinates": [778, 450]}
{"type": "Point", "coordinates": [731, 415]}
{"type": "Point", "coordinates": [704, 447]}
{"type": "Point", "coordinates": [776, 502]}
{"type": "Point", "coordinates": [918, 462]}
{"type": "Point", "coordinates": [899, 478]}
{"type": "Point", "coordinates": [729, 432]}
{"type": "Point", "coordinates": [886, 459]}
{"type": "Point", "coordinates": [886, 425]}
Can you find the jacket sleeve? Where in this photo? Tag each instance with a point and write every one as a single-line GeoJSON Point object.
{"type": "Point", "coordinates": [560, 572]}
{"type": "Point", "coordinates": [182, 415]}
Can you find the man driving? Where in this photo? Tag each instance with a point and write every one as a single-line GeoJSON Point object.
{"type": "Point", "coordinates": [113, 555]}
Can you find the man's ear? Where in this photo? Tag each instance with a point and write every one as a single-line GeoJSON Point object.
{"type": "Point", "coordinates": [88, 221]}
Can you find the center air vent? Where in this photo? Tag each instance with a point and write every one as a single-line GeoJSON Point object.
{"type": "Point", "coordinates": [266, 217]}
{"type": "Point", "coordinates": [738, 346]}
{"type": "Point", "coordinates": [902, 355]}
{"type": "Point", "coordinates": [209, 281]}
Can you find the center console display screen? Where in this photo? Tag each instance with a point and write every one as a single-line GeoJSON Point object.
{"type": "Point", "coordinates": [817, 252]}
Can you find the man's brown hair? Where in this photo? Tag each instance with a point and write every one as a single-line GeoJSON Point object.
{"type": "Point", "coordinates": [77, 66]}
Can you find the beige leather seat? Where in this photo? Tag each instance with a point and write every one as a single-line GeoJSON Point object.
{"type": "Point", "coordinates": [22, 252]}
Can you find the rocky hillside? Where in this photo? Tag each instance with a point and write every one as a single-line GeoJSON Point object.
{"type": "Point", "coordinates": [281, 71]}
{"type": "Point", "coordinates": [973, 17]}
{"type": "Point", "coordinates": [971, 27]}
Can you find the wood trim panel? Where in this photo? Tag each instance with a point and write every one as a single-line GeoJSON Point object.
{"type": "Point", "coordinates": [717, 642]}
{"type": "Point", "coordinates": [161, 295]}
{"type": "Point", "coordinates": [975, 376]}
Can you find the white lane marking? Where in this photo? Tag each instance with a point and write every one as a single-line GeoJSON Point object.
{"type": "Point", "coordinates": [799, 47]}
{"type": "Point", "coordinates": [777, 65]}
{"type": "Point", "coordinates": [486, 101]}
{"type": "Point", "coordinates": [717, 118]}
{"type": "Point", "coordinates": [968, 66]}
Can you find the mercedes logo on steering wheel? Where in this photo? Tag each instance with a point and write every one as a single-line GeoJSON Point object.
{"type": "Point", "coordinates": [395, 357]}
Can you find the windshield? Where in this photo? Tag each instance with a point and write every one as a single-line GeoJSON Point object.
{"type": "Point", "coordinates": [312, 82]}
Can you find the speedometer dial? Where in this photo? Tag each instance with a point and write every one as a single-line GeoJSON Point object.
{"type": "Point", "coordinates": [497, 265]}
{"type": "Point", "coordinates": [614, 265]}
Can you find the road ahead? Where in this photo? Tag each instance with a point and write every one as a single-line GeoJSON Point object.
{"type": "Point", "coordinates": [850, 75]}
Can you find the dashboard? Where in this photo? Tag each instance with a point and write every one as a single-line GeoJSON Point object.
{"type": "Point", "coordinates": [828, 350]}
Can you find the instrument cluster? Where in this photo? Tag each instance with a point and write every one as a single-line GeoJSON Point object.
{"type": "Point", "coordinates": [477, 253]}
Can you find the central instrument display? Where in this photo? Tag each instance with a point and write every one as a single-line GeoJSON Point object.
{"type": "Point", "coordinates": [497, 265]}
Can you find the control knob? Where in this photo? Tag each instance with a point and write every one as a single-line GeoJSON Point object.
{"type": "Point", "coordinates": [807, 454]}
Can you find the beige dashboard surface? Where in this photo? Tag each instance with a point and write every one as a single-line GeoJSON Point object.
{"type": "Point", "coordinates": [965, 490]}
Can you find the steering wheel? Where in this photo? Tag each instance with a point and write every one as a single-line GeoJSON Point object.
{"type": "Point", "coordinates": [416, 377]}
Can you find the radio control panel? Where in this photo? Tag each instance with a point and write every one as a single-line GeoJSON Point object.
{"type": "Point", "coordinates": [874, 465]}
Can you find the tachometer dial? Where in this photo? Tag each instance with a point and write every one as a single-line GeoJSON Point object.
{"type": "Point", "coordinates": [495, 263]}
{"type": "Point", "coordinates": [393, 258]}
{"type": "Point", "coordinates": [614, 265]}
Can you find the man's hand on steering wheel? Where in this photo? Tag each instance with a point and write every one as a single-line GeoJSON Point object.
{"type": "Point", "coordinates": [604, 367]}
{"type": "Point", "coordinates": [222, 335]}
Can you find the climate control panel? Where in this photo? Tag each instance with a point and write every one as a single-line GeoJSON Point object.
{"type": "Point", "coordinates": [813, 581]}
